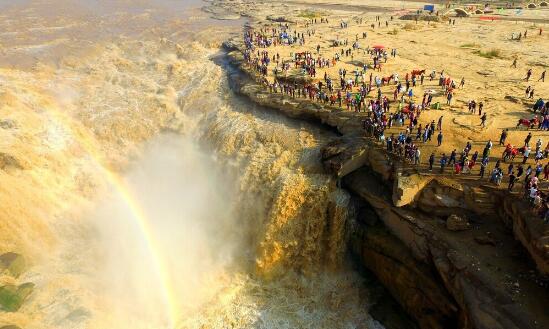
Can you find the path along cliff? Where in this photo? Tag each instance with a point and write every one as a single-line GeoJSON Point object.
{"type": "Point", "coordinates": [453, 252]}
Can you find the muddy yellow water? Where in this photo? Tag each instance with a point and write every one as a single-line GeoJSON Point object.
{"type": "Point", "coordinates": [144, 194]}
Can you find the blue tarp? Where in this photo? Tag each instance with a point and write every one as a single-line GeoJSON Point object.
{"type": "Point", "coordinates": [429, 7]}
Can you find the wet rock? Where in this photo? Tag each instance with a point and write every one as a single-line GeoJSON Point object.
{"type": "Point", "coordinates": [7, 124]}
{"type": "Point", "coordinates": [7, 162]}
{"type": "Point", "coordinates": [12, 296]}
{"type": "Point", "coordinates": [457, 223]}
{"type": "Point", "coordinates": [485, 240]}
{"type": "Point", "coordinates": [79, 315]}
{"type": "Point", "coordinates": [12, 264]}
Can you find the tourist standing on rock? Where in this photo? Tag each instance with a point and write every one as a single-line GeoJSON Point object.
{"type": "Point", "coordinates": [528, 74]}
{"type": "Point", "coordinates": [439, 124]}
{"type": "Point", "coordinates": [432, 161]}
{"type": "Point", "coordinates": [503, 136]}
{"type": "Point", "coordinates": [439, 138]}
{"type": "Point", "coordinates": [546, 171]}
{"type": "Point", "coordinates": [539, 170]}
{"type": "Point", "coordinates": [538, 157]}
{"type": "Point", "coordinates": [452, 157]}
{"type": "Point", "coordinates": [489, 145]}
{"type": "Point", "coordinates": [520, 170]}
{"type": "Point", "coordinates": [483, 165]}
{"type": "Point", "coordinates": [512, 179]}
{"type": "Point", "coordinates": [514, 63]}
{"type": "Point", "coordinates": [533, 195]}
{"type": "Point", "coordinates": [526, 154]}
{"type": "Point", "coordinates": [527, 178]}
{"type": "Point", "coordinates": [527, 139]}
{"type": "Point", "coordinates": [483, 120]}
{"type": "Point", "coordinates": [468, 147]}
{"type": "Point", "coordinates": [473, 160]}
{"type": "Point", "coordinates": [538, 145]}
{"type": "Point", "coordinates": [443, 161]}
{"type": "Point", "coordinates": [542, 78]}
{"type": "Point", "coordinates": [487, 148]}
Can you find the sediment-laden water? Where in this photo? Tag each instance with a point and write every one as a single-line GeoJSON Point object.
{"type": "Point", "coordinates": [144, 194]}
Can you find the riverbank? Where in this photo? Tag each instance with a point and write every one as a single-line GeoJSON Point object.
{"type": "Point", "coordinates": [408, 227]}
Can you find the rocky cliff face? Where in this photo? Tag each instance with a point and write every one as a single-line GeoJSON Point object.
{"type": "Point", "coordinates": [533, 235]}
{"type": "Point", "coordinates": [439, 245]}
{"type": "Point", "coordinates": [426, 268]}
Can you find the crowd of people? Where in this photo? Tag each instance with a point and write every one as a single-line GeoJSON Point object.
{"type": "Point", "coordinates": [362, 92]}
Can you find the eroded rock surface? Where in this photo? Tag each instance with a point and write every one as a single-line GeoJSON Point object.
{"type": "Point", "coordinates": [533, 234]}
{"type": "Point", "coordinates": [457, 223]}
{"type": "Point", "coordinates": [429, 275]}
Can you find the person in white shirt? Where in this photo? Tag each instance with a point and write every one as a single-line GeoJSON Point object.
{"type": "Point", "coordinates": [533, 193]}
{"type": "Point", "coordinates": [526, 154]}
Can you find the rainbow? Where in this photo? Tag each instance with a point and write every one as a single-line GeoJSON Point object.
{"type": "Point", "coordinates": [86, 141]}
{"type": "Point", "coordinates": [141, 220]}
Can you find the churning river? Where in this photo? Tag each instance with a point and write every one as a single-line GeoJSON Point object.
{"type": "Point", "coordinates": [147, 194]}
